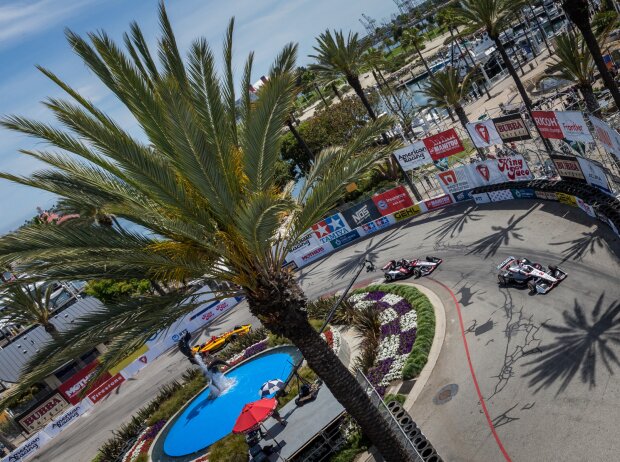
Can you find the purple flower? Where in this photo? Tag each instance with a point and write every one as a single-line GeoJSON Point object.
{"type": "Point", "coordinates": [407, 339]}
{"type": "Point", "coordinates": [402, 307]}
{"type": "Point", "coordinates": [153, 431]}
{"type": "Point", "coordinates": [376, 373]}
{"type": "Point", "coordinates": [382, 306]}
{"type": "Point", "coordinates": [390, 328]}
{"type": "Point", "coordinates": [256, 348]}
{"type": "Point", "coordinates": [378, 295]}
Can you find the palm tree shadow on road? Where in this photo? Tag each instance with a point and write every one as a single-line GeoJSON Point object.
{"type": "Point", "coordinates": [587, 244]}
{"type": "Point", "coordinates": [454, 225]}
{"type": "Point", "coordinates": [500, 236]}
{"type": "Point", "coordinates": [578, 345]}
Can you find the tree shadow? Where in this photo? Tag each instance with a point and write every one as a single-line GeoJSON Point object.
{"type": "Point", "coordinates": [454, 225]}
{"type": "Point", "coordinates": [501, 236]}
{"type": "Point", "coordinates": [466, 295]}
{"type": "Point", "coordinates": [582, 246]}
{"type": "Point", "coordinates": [578, 345]}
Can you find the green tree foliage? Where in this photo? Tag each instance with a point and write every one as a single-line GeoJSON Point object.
{"type": "Point", "coordinates": [109, 290]}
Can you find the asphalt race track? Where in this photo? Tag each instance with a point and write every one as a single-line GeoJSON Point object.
{"type": "Point", "coordinates": [545, 365]}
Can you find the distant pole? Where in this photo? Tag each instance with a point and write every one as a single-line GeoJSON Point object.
{"type": "Point", "coordinates": [414, 190]}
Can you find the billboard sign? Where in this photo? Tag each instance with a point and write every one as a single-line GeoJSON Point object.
{"type": "Point", "coordinates": [344, 240]}
{"type": "Point", "coordinates": [413, 156]}
{"type": "Point", "coordinates": [512, 128]}
{"type": "Point", "coordinates": [361, 213]}
{"type": "Point", "coordinates": [444, 144]}
{"type": "Point", "coordinates": [393, 200]}
{"type": "Point", "coordinates": [455, 180]}
{"type": "Point", "coordinates": [514, 168]}
{"type": "Point", "coordinates": [548, 124]}
{"type": "Point", "coordinates": [72, 388]}
{"type": "Point", "coordinates": [106, 388]}
{"type": "Point", "coordinates": [438, 202]}
{"type": "Point", "coordinates": [607, 136]}
{"type": "Point", "coordinates": [378, 224]}
{"type": "Point", "coordinates": [407, 213]}
{"type": "Point", "coordinates": [330, 228]}
{"type": "Point", "coordinates": [594, 174]}
{"type": "Point", "coordinates": [568, 167]}
{"type": "Point", "coordinates": [574, 126]}
{"type": "Point", "coordinates": [43, 413]}
{"type": "Point", "coordinates": [484, 134]}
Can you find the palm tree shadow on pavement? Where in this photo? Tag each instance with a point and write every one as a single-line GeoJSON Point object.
{"type": "Point", "coordinates": [501, 235]}
{"type": "Point", "coordinates": [578, 345]}
{"type": "Point", "coordinates": [453, 226]}
{"type": "Point", "coordinates": [587, 244]}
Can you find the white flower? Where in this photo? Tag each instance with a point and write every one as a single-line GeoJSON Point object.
{"type": "Point", "coordinates": [357, 297]}
{"type": "Point", "coordinates": [365, 304]}
{"type": "Point", "coordinates": [392, 299]}
{"type": "Point", "coordinates": [337, 341]}
{"type": "Point", "coordinates": [388, 347]}
{"type": "Point", "coordinates": [387, 316]}
{"type": "Point", "coordinates": [396, 370]}
{"type": "Point", "coordinates": [408, 321]}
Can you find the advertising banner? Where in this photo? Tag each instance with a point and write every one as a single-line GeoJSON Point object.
{"type": "Point", "coordinates": [378, 224]}
{"type": "Point", "coordinates": [28, 448]}
{"type": "Point", "coordinates": [607, 136]}
{"type": "Point", "coordinates": [361, 213]}
{"type": "Point", "coordinates": [106, 388]}
{"type": "Point", "coordinates": [67, 418]}
{"type": "Point", "coordinates": [512, 128]}
{"type": "Point", "coordinates": [413, 156]}
{"type": "Point", "coordinates": [501, 195]}
{"type": "Point", "coordinates": [393, 200]}
{"type": "Point", "coordinates": [548, 124]}
{"type": "Point", "coordinates": [330, 228]}
{"type": "Point", "coordinates": [407, 213]}
{"type": "Point", "coordinates": [72, 388]}
{"type": "Point", "coordinates": [573, 126]}
{"type": "Point", "coordinates": [128, 360]}
{"type": "Point", "coordinates": [566, 199]}
{"type": "Point", "coordinates": [306, 242]}
{"type": "Point", "coordinates": [444, 144]}
{"type": "Point", "coordinates": [344, 240]}
{"type": "Point", "coordinates": [481, 198]}
{"type": "Point", "coordinates": [314, 254]}
{"type": "Point", "coordinates": [514, 168]}
{"type": "Point", "coordinates": [463, 196]}
{"type": "Point", "coordinates": [455, 180]}
{"type": "Point", "coordinates": [594, 173]}
{"type": "Point", "coordinates": [568, 167]}
{"type": "Point", "coordinates": [438, 202]}
{"type": "Point", "coordinates": [44, 412]}
{"type": "Point", "coordinates": [546, 195]}
{"type": "Point", "coordinates": [585, 207]}
{"type": "Point", "coordinates": [486, 173]}
{"type": "Point", "coordinates": [524, 193]}
{"type": "Point", "coordinates": [484, 133]}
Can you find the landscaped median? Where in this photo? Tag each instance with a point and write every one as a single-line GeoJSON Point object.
{"type": "Point", "coordinates": [397, 323]}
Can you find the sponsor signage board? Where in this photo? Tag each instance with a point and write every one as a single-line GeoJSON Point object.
{"type": "Point", "coordinates": [378, 224]}
{"type": "Point", "coordinates": [501, 195]}
{"type": "Point", "coordinates": [512, 128]}
{"type": "Point", "coordinates": [455, 180]}
{"type": "Point", "coordinates": [585, 207]}
{"type": "Point", "coordinates": [574, 126]}
{"type": "Point", "coordinates": [567, 199]}
{"type": "Point", "coordinates": [43, 413]}
{"type": "Point", "coordinates": [28, 448]}
{"type": "Point", "coordinates": [72, 388]}
{"type": "Point", "coordinates": [344, 240]}
{"type": "Point", "coordinates": [464, 196]}
{"type": "Point", "coordinates": [548, 124]}
{"type": "Point", "coordinates": [481, 198]}
{"type": "Point", "coordinates": [444, 144]}
{"type": "Point", "coordinates": [361, 213]}
{"type": "Point", "coordinates": [128, 360]}
{"type": "Point", "coordinates": [413, 156]}
{"type": "Point", "coordinates": [106, 388]}
{"type": "Point", "coordinates": [524, 193]}
{"type": "Point", "coordinates": [607, 136]}
{"type": "Point", "coordinates": [546, 195]}
{"type": "Point", "coordinates": [305, 242]}
{"type": "Point", "coordinates": [438, 202]}
{"type": "Point", "coordinates": [514, 168]}
{"type": "Point", "coordinates": [66, 418]}
{"type": "Point", "coordinates": [407, 213]}
{"type": "Point", "coordinates": [393, 200]}
{"type": "Point", "coordinates": [594, 174]}
{"type": "Point", "coordinates": [568, 167]}
{"type": "Point", "coordinates": [485, 173]}
{"type": "Point", "coordinates": [484, 133]}
{"type": "Point", "coordinates": [330, 228]}
{"type": "Point", "coordinates": [312, 255]}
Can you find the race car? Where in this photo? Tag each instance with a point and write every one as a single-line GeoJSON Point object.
{"type": "Point", "coordinates": [216, 343]}
{"type": "Point", "coordinates": [523, 272]}
{"type": "Point", "coordinates": [402, 269]}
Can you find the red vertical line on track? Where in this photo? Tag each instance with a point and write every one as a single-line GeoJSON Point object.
{"type": "Point", "coordinates": [473, 373]}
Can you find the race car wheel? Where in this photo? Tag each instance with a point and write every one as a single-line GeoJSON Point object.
{"type": "Point", "coordinates": [388, 278]}
{"type": "Point", "coordinates": [430, 259]}
{"type": "Point", "coordinates": [553, 268]}
{"type": "Point", "coordinates": [417, 273]}
{"type": "Point", "coordinates": [532, 286]}
{"type": "Point", "coordinates": [503, 281]}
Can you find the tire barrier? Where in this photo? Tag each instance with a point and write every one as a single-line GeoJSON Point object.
{"type": "Point", "coordinates": [414, 434]}
{"type": "Point", "coordinates": [394, 406]}
{"type": "Point", "coordinates": [406, 420]}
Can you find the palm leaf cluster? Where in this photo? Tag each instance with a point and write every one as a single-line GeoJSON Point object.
{"type": "Point", "coordinates": [572, 60]}
{"type": "Point", "coordinates": [494, 16]}
{"type": "Point", "coordinates": [28, 304]}
{"type": "Point", "coordinates": [198, 183]}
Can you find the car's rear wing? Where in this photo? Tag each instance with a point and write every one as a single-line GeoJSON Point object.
{"type": "Point", "coordinates": [506, 263]}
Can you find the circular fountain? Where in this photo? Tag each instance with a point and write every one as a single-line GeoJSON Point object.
{"type": "Point", "coordinates": [207, 419]}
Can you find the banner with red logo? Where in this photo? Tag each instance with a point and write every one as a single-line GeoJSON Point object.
{"type": "Point", "coordinates": [574, 126]}
{"type": "Point", "coordinates": [106, 388]}
{"type": "Point", "coordinates": [330, 228]}
{"type": "Point", "coordinates": [456, 180]}
{"type": "Point", "coordinates": [485, 173]}
{"type": "Point", "coordinates": [607, 136]}
{"type": "Point", "coordinates": [568, 167]}
{"type": "Point", "coordinates": [392, 201]}
{"type": "Point", "coordinates": [413, 156]}
{"type": "Point", "coordinates": [443, 144]}
{"type": "Point", "coordinates": [514, 168]}
{"type": "Point", "coordinates": [511, 128]}
{"type": "Point", "coordinates": [484, 133]}
{"type": "Point", "coordinates": [438, 202]}
{"type": "Point", "coordinates": [548, 124]}
{"type": "Point", "coordinates": [72, 388]}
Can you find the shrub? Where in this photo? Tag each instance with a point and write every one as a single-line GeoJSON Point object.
{"type": "Point", "coordinates": [395, 397]}
{"type": "Point", "coordinates": [232, 448]}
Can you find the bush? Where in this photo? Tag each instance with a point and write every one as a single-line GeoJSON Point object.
{"type": "Point", "coordinates": [394, 397]}
{"type": "Point", "coordinates": [232, 448]}
{"type": "Point", "coordinates": [179, 398]}
{"type": "Point", "coordinates": [242, 342]}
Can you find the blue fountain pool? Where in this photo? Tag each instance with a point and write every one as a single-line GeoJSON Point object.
{"type": "Point", "coordinates": [205, 421]}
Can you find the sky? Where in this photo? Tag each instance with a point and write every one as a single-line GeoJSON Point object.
{"type": "Point", "coordinates": [32, 33]}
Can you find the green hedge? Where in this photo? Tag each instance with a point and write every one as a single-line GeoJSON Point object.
{"type": "Point", "coordinates": [426, 324]}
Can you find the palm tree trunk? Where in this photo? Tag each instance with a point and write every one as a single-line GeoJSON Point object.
{"type": "Point", "coordinates": [279, 303]}
{"type": "Point", "coordinates": [316, 87]}
{"type": "Point", "coordinates": [336, 92]}
{"type": "Point", "coordinates": [355, 83]}
{"type": "Point", "coordinates": [451, 114]}
{"type": "Point", "coordinates": [299, 139]}
{"type": "Point", "coordinates": [428, 69]}
{"type": "Point", "coordinates": [520, 88]}
{"type": "Point", "coordinates": [590, 99]}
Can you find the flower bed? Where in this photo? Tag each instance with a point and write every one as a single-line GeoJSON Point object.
{"type": "Point", "coordinates": [144, 441]}
{"type": "Point", "coordinates": [406, 334]}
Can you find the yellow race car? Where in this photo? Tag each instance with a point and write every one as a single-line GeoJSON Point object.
{"type": "Point", "coordinates": [216, 343]}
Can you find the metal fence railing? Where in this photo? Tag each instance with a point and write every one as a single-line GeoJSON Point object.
{"type": "Point", "coordinates": [393, 423]}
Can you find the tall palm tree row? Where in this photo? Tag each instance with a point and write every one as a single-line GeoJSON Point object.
{"type": "Point", "coordinates": [579, 13]}
{"type": "Point", "coordinates": [28, 304]}
{"type": "Point", "coordinates": [445, 90]}
{"type": "Point", "coordinates": [573, 61]}
{"type": "Point", "coordinates": [201, 186]}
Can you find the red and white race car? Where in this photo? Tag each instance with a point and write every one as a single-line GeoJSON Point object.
{"type": "Point", "coordinates": [402, 269]}
{"type": "Point", "coordinates": [523, 272]}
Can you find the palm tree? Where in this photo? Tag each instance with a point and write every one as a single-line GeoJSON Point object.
{"type": "Point", "coordinates": [573, 62]}
{"type": "Point", "coordinates": [494, 16]}
{"type": "Point", "coordinates": [579, 13]}
{"type": "Point", "coordinates": [27, 304]}
{"type": "Point", "coordinates": [413, 38]}
{"type": "Point", "coordinates": [445, 90]}
{"type": "Point", "coordinates": [338, 57]}
{"type": "Point", "coordinates": [201, 189]}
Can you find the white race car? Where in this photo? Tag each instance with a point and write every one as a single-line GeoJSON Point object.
{"type": "Point", "coordinates": [523, 272]}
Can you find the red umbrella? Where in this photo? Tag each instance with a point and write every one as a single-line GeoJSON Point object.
{"type": "Point", "coordinates": [253, 414]}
